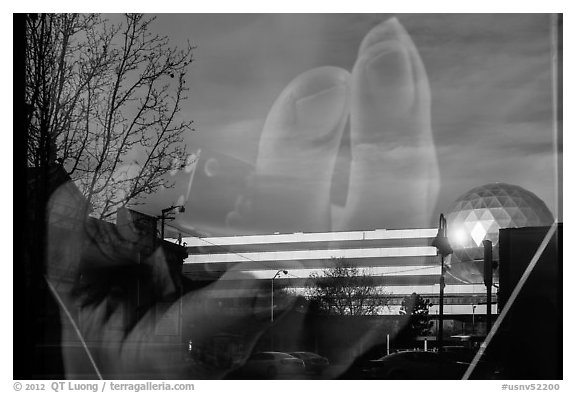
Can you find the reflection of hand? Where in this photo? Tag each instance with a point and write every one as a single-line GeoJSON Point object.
{"type": "Point", "coordinates": [394, 178]}
{"type": "Point", "coordinates": [113, 302]}
{"type": "Point", "coordinates": [394, 168]}
{"type": "Point", "coordinates": [393, 159]}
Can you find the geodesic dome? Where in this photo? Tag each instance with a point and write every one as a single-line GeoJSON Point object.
{"type": "Point", "coordinates": [480, 213]}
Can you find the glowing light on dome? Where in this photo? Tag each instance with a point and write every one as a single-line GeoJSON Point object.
{"type": "Point", "coordinates": [480, 213]}
{"type": "Point", "coordinates": [458, 236]}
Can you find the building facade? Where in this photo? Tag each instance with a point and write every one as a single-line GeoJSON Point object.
{"type": "Point", "coordinates": [401, 262]}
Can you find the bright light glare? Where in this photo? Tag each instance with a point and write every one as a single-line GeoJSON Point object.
{"type": "Point", "coordinates": [459, 236]}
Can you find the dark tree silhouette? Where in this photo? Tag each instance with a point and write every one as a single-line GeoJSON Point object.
{"type": "Point", "coordinates": [417, 308]}
{"type": "Point", "coordinates": [345, 290]}
{"type": "Point", "coordinates": [104, 101]}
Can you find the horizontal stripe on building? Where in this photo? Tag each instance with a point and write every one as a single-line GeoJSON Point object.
{"type": "Point", "coordinates": [378, 234]}
{"type": "Point", "coordinates": [347, 244]}
{"type": "Point", "coordinates": [392, 281]}
{"type": "Point", "coordinates": [303, 255]}
{"type": "Point", "coordinates": [215, 267]}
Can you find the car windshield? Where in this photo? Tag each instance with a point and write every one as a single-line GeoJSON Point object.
{"type": "Point", "coordinates": [306, 355]}
{"type": "Point", "coordinates": [280, 355]}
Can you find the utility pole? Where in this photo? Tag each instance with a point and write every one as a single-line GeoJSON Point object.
{"type": "Point", "coordinates": [488, 282]}
{"type": "Point", "coordinates": [169, 214]}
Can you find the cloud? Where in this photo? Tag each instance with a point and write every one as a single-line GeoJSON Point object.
{"type": "Point", "coordinates": [529, 165]}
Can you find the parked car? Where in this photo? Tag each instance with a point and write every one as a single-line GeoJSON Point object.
{"type": "Point", "coordinates": [313, 362]}
{"type": "Point", "coordinates": [424, 365]}
{"type": "Point", "coordinates": [415, 365]}
{"type": "Point", "coordinates": [272, 365]}
{"type": "Point", "coordinates": [358, 368]}
{"type": "Point", "coordinates": [459, 353]}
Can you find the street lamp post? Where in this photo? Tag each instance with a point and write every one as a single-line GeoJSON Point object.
{"type": "Point", "coordinates": [441, 307]}
{"type": "Point", "coordinates": [166, 215]}
{"type": "Point", "coordinates": [473, 322]}
{"type": "Point", "coordinates": [272, 293]}
{"type": "Point", "coordinates": [444, 249]}
{"type": "Point", "coordinates": [272, 306]}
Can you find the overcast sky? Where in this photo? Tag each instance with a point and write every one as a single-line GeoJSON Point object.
{"type": "Point", "coordinates": [491, 104]}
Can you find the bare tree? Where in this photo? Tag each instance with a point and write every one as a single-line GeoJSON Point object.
{"type": "Point", "coordinates": [346, 290]}
{"type": "Point", "coordinates": [104, 100]}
